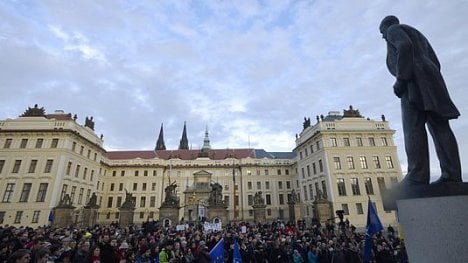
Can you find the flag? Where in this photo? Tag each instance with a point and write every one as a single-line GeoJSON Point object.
{"type": "Point", "coordinates": [51, 215]}
{"type": "Point", "coordinates": [217, 253]}
{"type": "Point", "coordinates": [373, 227]}
{"type": "Point", "coordinates": [236, 256]}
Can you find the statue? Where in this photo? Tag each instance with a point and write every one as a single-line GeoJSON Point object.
{"type": "Point", "coordinates": [320, 195]}
{"type": "Point", "coordinates": [171, 195]}
{"type": "Point", "coordinates": [34, 112]}
{"type": "Point", "coordinates": [424, 99]}
{"type": "Point", "coordinates": [294, 198]}
{"type": "Point", "coordinates": [89, 123]}
{"type": "Point", "coordinates": [306, 123]}
{"type": "Point", "coordinates": [216, 197]}
{"type": "Point", "coordinates": [66, 202]}
{"type": "Point", "coordinates": [92, 203]}
{"type": "Point", "coordinates": [128, 202]}
{"type": "Point", "coordinates": [258, 199]}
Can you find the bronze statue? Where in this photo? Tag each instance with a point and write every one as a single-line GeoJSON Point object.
{"type": "Point", "coordinates": [216, 197]}
{"type": "Point", "coordinates": [171, 195]}
{"type": "Point", "coordinates": [424, 100]}
{"type": "Point", "coordinates": [128, 202]}
{"type": "Point", "coordinates": [258, 199]}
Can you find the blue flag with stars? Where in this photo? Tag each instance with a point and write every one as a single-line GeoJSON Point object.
{"type": "Point", "coordinates": [217, 253]}
{"type": "Point", "coordinates": [236, 257]}
{"type": "Point", "coordinates": [373, 227]}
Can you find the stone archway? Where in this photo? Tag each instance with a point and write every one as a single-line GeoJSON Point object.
{"type": "Point", "coordinates": [217, 220]}
{"type": "Point", "coordinates": [167, 222]}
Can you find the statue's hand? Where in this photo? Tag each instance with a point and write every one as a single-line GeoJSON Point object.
{"type": "Point", "coordinates": [399, 88]}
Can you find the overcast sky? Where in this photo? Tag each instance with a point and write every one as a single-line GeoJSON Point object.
{"type": "Point", "coordinates": [249, 70]}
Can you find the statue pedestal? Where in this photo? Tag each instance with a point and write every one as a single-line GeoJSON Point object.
{"type": "Point", "coordinates": [219, 212]}
{"type": "Point", "coordinates": [63, 216]}
{"type": "Point", "coordinates": [259, 213]}
{"type": "Point", "coordinates": [323, 210]}
{"type": "Point", "coordinates": [169, 215]}
{"type": "Point", "coordinates": [126, 216]}
{"type": "Point", "coordinates": [434, 221]}
{"type": "Point", "coordinates": [295, 212]}
{"type": "Point", "coordinates": [90, 216]}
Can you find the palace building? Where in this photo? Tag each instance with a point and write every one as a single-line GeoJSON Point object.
{"type": "Point", "coordinates": [336, 165]}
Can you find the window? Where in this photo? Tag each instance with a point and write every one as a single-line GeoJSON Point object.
{"type": "Point", "coordinates": [74, 146]}
{"type": "Point", "coordinates": [306, 152]}
{"type": "Point", "coordinates": [250, 212]}
{"type": "Point", "coordinates": [333, 142]}
{"type": "Point", "coordinates": [359, 141]}
{"type": "Point", "coordinates": [350, 162]}
{"type": "Point", "coordinates": [25, 192]}
{"type": "Point", "coordinates": [320, 166]}
{"type": "Point", "coordinates": [288, 185]}
{"type": "Point", "coordinates": [88, 194]}
{"type": "Point", "coordinates": [267, 185]}
{"type": "Point", "coordinates": [155, 173]}
{"type": "Point", "coordinates": [359, 209]}
{"type": "Point", "coordinates": [95, 156]}
{"type": "Point", "coordinates": [48, 166]}
{"type": "Point", "coordinates": [24, 143]}
{"type": "Point", "coordinates": [312, 148]}
{"type": "Point", "coordinates": [250, 199]}
{"type": "Point", "coordinates": [286, 171]}
{"type": "Point", "coordinates": [317, 145]}
{"type": "Point", "coordinates": [144, 187]}
{"type": "Point", "coordinates": [376, 160]}
{"type": "Point", "coordinates": [314, 168]}
{"type": "Point", "coordinates": [153, 186]}
{"type": "Point", "coordinates": [64, 191]}
{"type": "Point", "coordinates": [72, 194]}
{"type": "Point", "coordinates": [145, 173]}
{"type": "Point", "coordinates": [268, 199]}
{"type": "Point", "coordinates": [259, 185]}
{"type": "Point", "coordinates": [41, 193]}
{"type": "Point", "coordinates": [77, 170]}
{"type": "Point", "coordinates": [355, 186]}
{"type": "Point", "coordinates": [268, 212]}
{"type": "Point", "coordinates": [7, 143]}
{"type": "Point", "coordinates": [2, 163]}
{"type": "Point", "coordinates": [266, 171]}
{"type": "Point", "coordinates": [311, 191]}
{"type": "Point", "coordinates": [81, 150]}
{"type": "Point", "coordinates": [341, 186]}
{"type": "Point", "coordinates": [2, 216]}
{"type": "Point", "coordinates": [136, 173]}
{"type": "Point", "coordinates": [135, 186]}
{"type": "Point", "coordinates": [337, 163]}
{"type": "Point", "coordinates": [143, 201]}
{"type": "Point", "coordinates": [258, 172]}
{"type": "Point", "coordinates": [119, 201]}
{"type": "Point", "coordinates": [10, 187]}
{"type": "Point", "coordinates": [305, 193]}
{"type": "Point", "coordinates": [114, 173]}
{"type": "Point", "coordinates": [80, 196]}
{"type": "Point", "coordinates": [16, 167]}
{"type": "Point", "coordinates": [111, 187]}
{"type": "Point", "coordinates": [18, 216]}
{"type": "Point", "coordinates": [303, 172]}
{"type": "Point", "coordinates": [345, 208]}
{"type": "Point", "coordinates": [39, 143]}
{"type": "Point", "coordinates": [89, 154]}
{"type": "Point", "coordinates": [122, 173]}
{"type": "Point", "coordinates": [69, 165]}
{"type": "Point", "coordinates": [324, 189]}
{"type": "Point", "coordinates": [85, 172]}
{"type": "Point", "coordinates": [381, 183]}
{"type": "Point", "coordinates": [388, 160]}
{"type": "Point", "coordinates": [384, 141]}
{"type": "Point", "coordinates": [152, 201]}
{"type": "Point", "coordinates": [54, 143]}
{"type": "Point", "coordinates": [371, 141]}
{"type": "Point", "coordinates": [110, 200]}
{"type": "Point", "coordinates": [281, 199]}
{"type": "Point", "coordinates": [278, 171]}
{"type": "Point", "coordinates": [369, 187]}
{"type": "Point", "coordinates": [346, 142]}
{"type": "Point", "coordinates": [363, 161]}
{"type": "Point", "coordinates": [280, 185]}
{"type": "Point", "coordinates": [300, 155]}
{"type": "Point", "coordinates": [35, 217]}
{"type": "Point", "coordinates": [317, 189]}
{"type": "Point", "coordinates": [117, 215]}
{"type": "Point", "coordinates": [32, 166]}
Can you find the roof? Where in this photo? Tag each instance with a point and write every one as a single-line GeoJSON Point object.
{"type": "Point", "coordinates": [214, 154]}
{"type": "Point", "coordinates": [60, 117]}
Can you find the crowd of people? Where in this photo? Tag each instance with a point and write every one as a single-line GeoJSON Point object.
{"type": "Point", "coordinates": [152, 243]}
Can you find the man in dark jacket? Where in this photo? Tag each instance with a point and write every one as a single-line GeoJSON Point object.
{"type": "Point", "coordinates": [424, 99]}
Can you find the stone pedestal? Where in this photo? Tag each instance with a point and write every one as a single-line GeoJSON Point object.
{"type": "Point", "coordinates": [295, 212]}
{"type": "Point", "coordinates": [434, 220]}
{"type": "Point", "coordinates": [219, 212]}
{"type": "Point", "coordinates": [169, 215]}
{"type": "Point", "coordinates": [90, 216]}
{"type": "Point", "coordinates": [259, 213]}
{"type": "Point", "coordinates": [126, 216]}
{"type": "Point", "coordinates": [323, 210]}
{"type": "Point", "coordinates": [63, 216]}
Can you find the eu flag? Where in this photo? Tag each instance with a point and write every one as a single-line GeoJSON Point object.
{"type": "Point", "coordinates": [373, 227]}
{"type": "Point", "coordinates": [236, 256]}
{"type": "Point", "coordinates": [51, 216]}
{"type": "Point", "coordinates": [217, 253]}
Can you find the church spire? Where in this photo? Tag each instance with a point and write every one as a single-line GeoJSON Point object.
{"type": "Point", "coordinates": [184, 141]}
{"type": "Point", "coordinates": [160, 145]}
{"type": "Point", "coordinates": [206, 141]}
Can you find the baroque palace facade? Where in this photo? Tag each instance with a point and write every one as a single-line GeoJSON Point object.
{"type": "Point", "coordinates": [339, 161]}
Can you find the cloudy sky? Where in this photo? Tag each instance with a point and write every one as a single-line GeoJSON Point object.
{"type": "Point", "coordinates": [249, 70]}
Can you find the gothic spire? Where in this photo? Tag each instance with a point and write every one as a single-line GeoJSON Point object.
{"type": "Point", "coordinates": [160, 145]}
{"type": "Point", "coordinates": [184, 141]}
{"type": "Point", "coordinates": [206, 141]}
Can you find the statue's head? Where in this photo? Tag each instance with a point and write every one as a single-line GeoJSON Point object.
{"type": "Point", "coordinates": [386, 23]}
